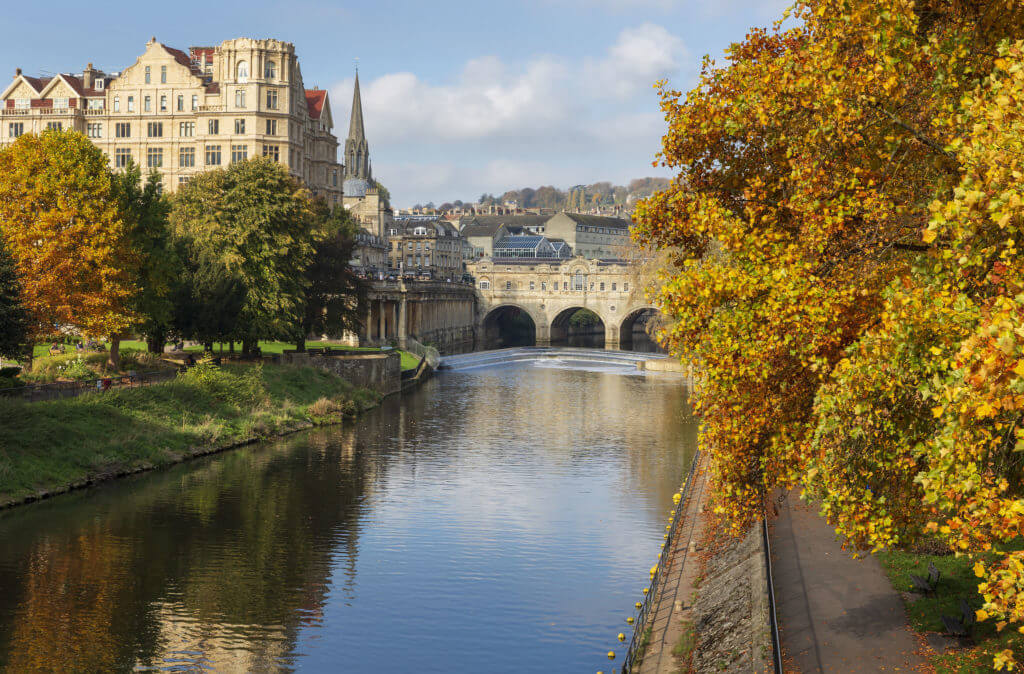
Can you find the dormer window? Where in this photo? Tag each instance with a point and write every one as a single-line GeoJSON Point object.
{"type": "Point", "coordinates": [243, 71]}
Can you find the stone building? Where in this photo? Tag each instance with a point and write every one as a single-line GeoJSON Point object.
{"type": "Point", "coordinates": [363, 197]}
{"type": "Point", "coordinates": [425, 245]}
{"type": "Point", "coordinates": [595, 237]}
{"type": "Point", "coordinates": [182, 113]}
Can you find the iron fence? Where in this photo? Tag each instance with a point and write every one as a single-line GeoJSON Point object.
{"type": "Point", "coordinates": [640, 624]}
{"type": "Point", "coordinates": [71, 389]}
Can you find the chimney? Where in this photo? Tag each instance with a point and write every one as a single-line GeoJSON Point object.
{"type": "Point", "coordinates": [17, 72]}
{"type": "Point", "coordinates": [88, 76]}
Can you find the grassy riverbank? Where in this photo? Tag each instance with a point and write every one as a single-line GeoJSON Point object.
{"type": "Point", "coordinates": [53, 446]}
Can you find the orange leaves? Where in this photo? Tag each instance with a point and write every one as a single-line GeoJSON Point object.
{"type": "Point", "coordinates": [62, 225]}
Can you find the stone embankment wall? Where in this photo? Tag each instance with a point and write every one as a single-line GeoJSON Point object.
{"type": "Point", "coordinates": [381, 372]}
{"type": "Point", "coordinates": [731, 613]}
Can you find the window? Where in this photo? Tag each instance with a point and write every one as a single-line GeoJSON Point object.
{"type": "Point", "coordinates": [625, 287]}
{"type": "Point", "coordinates": [184, 180]}
{"type": "Point", "coordinates": [94, 104]}
{"type": "Point", "coordinates": [239, 126]}
{"type": "Point", "coordinates": [239, 98]}
{"type": "Point", "coordinates": [508, 285]}
{"type": "Point", "coordinates": [61, 103]}
{"type": "Point", "coordinates": [122, 156]}
{"type": "Point", "coordinates": [271, 127]}
{"type": "Point", "coordinates": [214, 127]}
{"type": "Point", "coordinates": [163, 74]}
{"type": "Point", "coordinates": [565, 285]}
{"type": "Point", "coordinates": [531, 285]}
{"type": "Point", "coordinates": [187, 129]}
{"type": "Point", "coordinates": [22, 103]}
{"type": "Point", "coordinates": [270, 70]}
{"type": "Point", "coordinates": [94, 130]}
{"type": "Point", "coordinates": [163, 104]}
{"type": "Point", "coordinates": [613, 287]}
{"type": "Point", "coordinates": [243, 71]}
{"type": "Point", "coordinates": [117, 104]}
{"type": "Point", "coordinates": [213, 155]}
{"type": "Point", "coordinates": [131, 104]}
{"type": "Point", "coordinates": [272, 151]}
{"type": "Point", "coordinates": [147, 104]}
{"type": "Point", "coordinates": [181, 103]}
{"type": "Point", "coordinates": [334, 177]}
{"type": "Point", "coordinates": [154, 157]}
{"type": "Point", "coordinates": [123, 130]}
{"type": "Point", "coordinates": [147, 75]}
{"type": "Point", "coordinates": [195, 102]}
{"type": "Point", "coordinates": [271, 99]}
{"type": "Point", "coordinates": [54, 126]}
{"type": "Point", "coordinates": [155, 129]}
{"type": "Point", "coordinates": [15, 129]}
{"type": "Point", "coordinates": [602, 287]}
{"type": "Point", "coordinates": [239, 153]}
{"type": "Point", "coordinates": [187, 157]}
{"type": "Point", "coordinates": [543, 285]}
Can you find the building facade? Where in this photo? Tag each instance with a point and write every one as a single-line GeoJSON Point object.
{"type": "Point", "coordinates": [182, 113]}
{"type": "Point", "coordinates": [426, 245]}
{"type": "Point", "coordinates": [592, 236]}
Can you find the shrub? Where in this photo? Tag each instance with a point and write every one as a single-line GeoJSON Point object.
{"type": "Point", "coordinates": [10, 372]}
{"type": "Point", "coordinates": [10, 382]}
{"type": "Point", "coordinates": [236, 389]}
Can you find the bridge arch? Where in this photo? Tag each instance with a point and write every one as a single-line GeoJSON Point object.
{"type": "Point", "coordinates": [565, 331]}
{"type": "Point", "coordinates": [635, 322]}
{"type": "Point", "coordinates": [509, 325]}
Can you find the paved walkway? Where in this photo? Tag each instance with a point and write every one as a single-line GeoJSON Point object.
{"type": "Point", "coordinates": [673, 603]}
{"type": "Point", "coordinates": [836, 613]}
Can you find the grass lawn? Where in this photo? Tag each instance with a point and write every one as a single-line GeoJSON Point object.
{"type": "Point", "coordinates": [49, 445]}
{"type": "Point", "coordinates": [409, 361]}
{"type": "Point", "coordinates": [924, 612]}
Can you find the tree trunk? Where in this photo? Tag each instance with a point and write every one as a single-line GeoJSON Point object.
{"type": "Point", "coordinates": [114, 358]}
{"type": "Point", "coordinates": [248, 348]}
{"type": "Point", "coordinates": [155, 342]}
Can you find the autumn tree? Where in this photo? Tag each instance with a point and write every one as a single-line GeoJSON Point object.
{"type": "Point", "coordinates": [14, 318]}
{"type": "Point", "coordinates": [843, 271]}
{"type": "Point", "coordinates": [334, 298]}
{"type": "Point", "coordinates": [251, 226]}
{"type": "Point", "coordinates": [62, 224]}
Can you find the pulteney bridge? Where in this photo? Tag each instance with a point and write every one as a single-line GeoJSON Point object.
{"type": "Point", "coordinates": [549, 292]}
{"type": "Point", "coordinates": [440, 313]}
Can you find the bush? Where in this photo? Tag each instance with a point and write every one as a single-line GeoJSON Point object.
{"type": "Point", "coordinates": [240, 390]}
{"type": "Point", "coordinates": [10, 382]}
{"type": "Point", "coordinates": [10, 372]}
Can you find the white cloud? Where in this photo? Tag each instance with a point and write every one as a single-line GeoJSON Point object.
{"type": "Point", "coordinates": [499, 125]}
{"type": "Point", "coordinates": [641, 56]}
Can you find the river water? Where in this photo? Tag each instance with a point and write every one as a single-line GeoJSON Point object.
{"type": "Point", "coordinates": [501, 519]}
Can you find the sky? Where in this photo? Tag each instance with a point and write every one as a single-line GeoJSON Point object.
{"type": "Point", "coordinates": [459, 98]}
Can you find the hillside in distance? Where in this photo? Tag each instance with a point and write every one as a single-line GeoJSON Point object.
{"type": "Point", "coordinates": [576, 198]}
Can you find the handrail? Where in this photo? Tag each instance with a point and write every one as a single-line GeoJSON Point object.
{"type": "Point", "coordinates": [641, 619]}
{"type": "Point", "coordinates": [772, 617]}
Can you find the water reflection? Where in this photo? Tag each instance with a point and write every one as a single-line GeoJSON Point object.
{"type": "Point", "coordinates": [495, 520]}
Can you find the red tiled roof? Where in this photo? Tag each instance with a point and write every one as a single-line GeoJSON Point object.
{"type": "Point", "coordinates": [315, 99]}
{"type": "Point", "coordinates": [183, 58]}
{"type": "Point", "coordinates": [37, 83]}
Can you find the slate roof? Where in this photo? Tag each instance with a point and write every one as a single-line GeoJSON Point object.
{"type": "Point", "coordinates": [598, 220]}
{"type": "Point", "coordinates": [480, 229]}
{"type": "Point", "coordinates": [526, 220]}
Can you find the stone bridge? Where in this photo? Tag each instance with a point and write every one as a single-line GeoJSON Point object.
{"type": "Point", "coordinates": [435, 312]}
{"type": "Point", "coordinates": [550, 292]}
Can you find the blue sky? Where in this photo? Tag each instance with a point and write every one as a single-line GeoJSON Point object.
{"type": "Point", "coordinates": [459, 97]}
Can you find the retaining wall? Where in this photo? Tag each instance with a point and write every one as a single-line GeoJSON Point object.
{"type": "Point", "coordinates": [731, 614]}
{"type": "Point", "coordinates": [381, 372]}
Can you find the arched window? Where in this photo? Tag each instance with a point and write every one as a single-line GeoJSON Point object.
{"type": "Point", "coordinates": [243, 71]}
{"type": "Point", "coordinates": [270, 70]}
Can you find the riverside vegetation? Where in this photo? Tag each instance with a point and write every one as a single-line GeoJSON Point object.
{"type": "Point", "coordinates": [843, 267]}
{"type": "Point", "coordinates": [51, 446]}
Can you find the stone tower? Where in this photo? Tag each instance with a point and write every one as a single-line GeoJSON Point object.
{"type": "Point", "coordinates": [357, 152]}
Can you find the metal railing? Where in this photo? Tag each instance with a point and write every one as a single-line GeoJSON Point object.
{"type": "Point", "coordinates": [640, 623]}
{"type": "Point", "coordinates": [772, 618]}
{"type": "Point", "coordinates": [72, 389]}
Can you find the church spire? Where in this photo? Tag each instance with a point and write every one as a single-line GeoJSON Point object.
{"type": "Point", "coordinates": [357, 151]}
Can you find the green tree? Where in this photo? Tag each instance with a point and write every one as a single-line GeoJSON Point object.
{"type": "Point", "coordinates": [251, 226]}
{"type": "Point", "coordinates": [146, 213]}
{"type": "Point", "coordinates": [14, 318]}
{"type": "Point", "coordinates": [334, 298]}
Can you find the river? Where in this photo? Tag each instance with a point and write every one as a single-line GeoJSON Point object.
{"type": "Point", "coordinates": [500, 519]}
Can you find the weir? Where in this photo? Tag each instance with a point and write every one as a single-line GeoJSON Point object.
{"type": "Point", "coordinates": [625, 359]}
